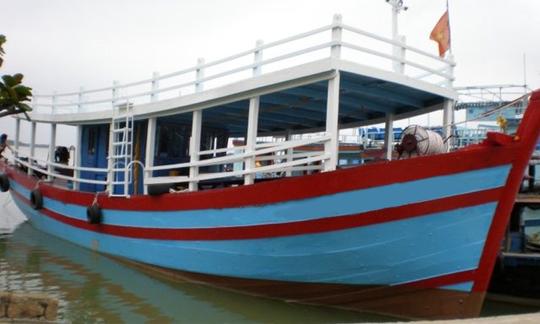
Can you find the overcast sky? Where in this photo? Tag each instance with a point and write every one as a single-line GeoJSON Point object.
{"type": "Point", "coordinates": [62, 45]}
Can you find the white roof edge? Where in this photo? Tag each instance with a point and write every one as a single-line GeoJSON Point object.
{"type": "Point", "coordinates": [271, 82]}
{"type": "Point", "coordinates": [244, 89]}
{"type": "Point", "coordinates": [398, 78]}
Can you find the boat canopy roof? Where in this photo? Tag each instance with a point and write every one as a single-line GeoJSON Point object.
{"type": "Point", "coordinates": [291, 80]}
{"type": "Point", "coordinates": [363, 100]}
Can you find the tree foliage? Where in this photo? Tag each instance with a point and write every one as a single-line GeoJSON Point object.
{"type": "Point", "coordinates": [13, 94]}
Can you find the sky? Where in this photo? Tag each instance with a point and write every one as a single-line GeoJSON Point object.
{"type": "Point", "coordinates": [60, 45]}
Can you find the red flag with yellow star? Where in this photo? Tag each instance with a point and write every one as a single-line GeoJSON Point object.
{"type": "Point", "coordinates": [441, 34]}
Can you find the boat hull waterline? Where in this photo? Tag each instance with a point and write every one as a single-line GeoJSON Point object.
{"type": "Point", "coordinates": [413, 238]}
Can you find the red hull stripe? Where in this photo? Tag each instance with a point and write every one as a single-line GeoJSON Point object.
{"type": "Point", "coordinates": [284, 229]}
{"type": "Point", "coordinates": [295, 188]}
{"type": "Point", "coordinates": [449, 279]}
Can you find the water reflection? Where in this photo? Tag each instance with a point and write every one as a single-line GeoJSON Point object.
{"type": "Point", "coordinates": [95, 288]}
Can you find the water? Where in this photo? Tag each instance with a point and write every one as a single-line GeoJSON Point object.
{"type": "Point", "coordinates": [95, 288]}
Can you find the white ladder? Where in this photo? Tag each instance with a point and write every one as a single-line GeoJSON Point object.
{"type": "Point", "coordinates": [121, 150]}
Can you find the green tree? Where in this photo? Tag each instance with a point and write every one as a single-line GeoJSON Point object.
{"type": "Point", "coordinates": [13, 94]}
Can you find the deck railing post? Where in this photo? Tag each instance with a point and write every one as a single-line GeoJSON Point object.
{"type": "Point", "coordinates": [32, 147]}
{"type": "Point", "coordinates": [17, 136]}
{"type": "Point", "coordinates": [34, 103]}
{"type": "Point", "coordinates": [389, 135]}
{"type": "Point", "coordinates": [155, 87]}
{"type": "Point", "coordinates": [81, 98]}
{"type": "Point", "coordinates": [331, 147]}
{"type": "Point", "coordinates": [199, 75]}
{"type": "Point", "coordinates": [150, 148]}
{"type": "Point", "coordinates": [450, 71]}
{"type": "Point", "coordinates": [114, 93]}
{"type": "Point", "coordinates": [52, 147]}
{"type": "Point", "coordinates": [196, 129]}
{"type": "Point", "coordinates": [399, 54]}
{"type": "Point", "coordinates": [77, 158]}
{"type": "Point", "coordinates": [258, 55]}
{"type": "Point", "coordinates": [337, 29]}
{"type": "Point", "coordinates": [53, 103]}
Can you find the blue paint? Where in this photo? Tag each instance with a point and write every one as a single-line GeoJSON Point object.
{"type": "Point", "coordinates": [388, 253]}
{"type": "Point", "coordinates": [464, 286]}
{"type": "Point", "coordinates": [346, 203]}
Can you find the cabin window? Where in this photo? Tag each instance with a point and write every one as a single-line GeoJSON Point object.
{"type": "Point", "coordinates": [171, 141]}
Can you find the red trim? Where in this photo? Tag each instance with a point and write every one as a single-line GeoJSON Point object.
{"type": "Point", "coordinates": [284, 229]}
{"type": "Point", "coordinates": [446, 280]}
{"type": "Point", "coordinates": [296, 188]}
{"type": "Point", "coordinates": [525, 138]}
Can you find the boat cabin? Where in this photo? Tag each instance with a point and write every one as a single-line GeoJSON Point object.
{"type": "Point", "coordinates": [284, 101]}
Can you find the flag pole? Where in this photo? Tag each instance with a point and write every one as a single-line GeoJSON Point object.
{"type": "Point", "coordinates": [449, 30]}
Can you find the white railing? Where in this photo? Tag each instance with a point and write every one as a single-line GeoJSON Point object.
{"type": "Point", "coordinates": [275, 152]}
{"type": "Point", "coordinates": [42, 166]}
{"type": "Point", "coordinates": [358, 46]}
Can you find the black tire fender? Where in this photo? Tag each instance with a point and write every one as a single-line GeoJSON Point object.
{"type": "Point", "coordinates": [4, 182]}
{"type": "Point", "coordinates": [158, 189]}
{"type": "Point", "coordinates": [36, 199]}
{"type": "Point", "coordinates": [94, 214]}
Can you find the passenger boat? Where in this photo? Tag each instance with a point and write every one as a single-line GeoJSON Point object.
{"type": "Point", "coordinates": [152, 179]}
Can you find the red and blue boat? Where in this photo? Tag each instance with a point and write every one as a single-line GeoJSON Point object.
{"type": "Point", "coordinates": [157, 183]}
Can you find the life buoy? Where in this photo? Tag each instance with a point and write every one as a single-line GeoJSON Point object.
{"type": "Point", "coordinates": [94, 214]}
{"type": "Point", "coordinates": [36, 199]}
{"type": "Point", "coordinates": [4, 182]}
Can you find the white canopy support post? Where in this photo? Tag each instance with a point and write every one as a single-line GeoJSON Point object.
{"type": "Point", "coordinates": [52, 148]}
{"type": "Point", "coordinates": [150, 148]}
{"type": "Point", "coordinates": [331, 147]}
{"type": "Point", "coordinates": [17, 136]}
{"type": "Point", "coordinates": [155, 87]}
{"type": "Point", "coordinates": [389, 135]}
{"type": "Point", "coordinates": [32, 147]}
{"type": "Point", "coordinates": [448, 111]}
{"type": "Point", "coordinates": [448, 121]}
{"type": "Point", "coordinates": [196, 129]}
{"type": "Point", "coordinates": [77, 158]}
{"type": "Point", "coordinates": [251, 139]}
{"type": "Point", "coordinates": [290, 152]}
{"type": "Point", "coordinates": [194, 148]}
{"type": "Point", "coordinates": [110, 160]}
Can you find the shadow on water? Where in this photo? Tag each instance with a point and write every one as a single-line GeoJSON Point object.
{"type": "Point", "coordinates": [93, 287]}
